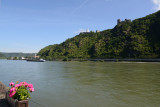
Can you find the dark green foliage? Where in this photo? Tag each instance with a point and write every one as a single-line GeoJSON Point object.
{"type": "Point", "coordinates": [137, 39]}
{"type": "Point", "coordinates": [22, 93]}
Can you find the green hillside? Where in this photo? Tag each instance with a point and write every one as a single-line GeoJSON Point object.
{"type": "Point", "coordinates": [128, 39]}
{"type": "Point", "coordinates": [18, 54]}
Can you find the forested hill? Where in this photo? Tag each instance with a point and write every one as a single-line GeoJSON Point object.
{"type": "Point", "coordinates": [2, 56]}
{"type": "Point", "coordinates": [139, 38]}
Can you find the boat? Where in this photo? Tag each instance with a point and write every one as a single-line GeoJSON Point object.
{"type": "Point", "coordinates": [36, 60]}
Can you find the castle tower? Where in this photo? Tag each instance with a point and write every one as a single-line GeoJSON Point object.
{"type": "Point", "coordinates": [127, 20]}
{"type": "Point", "coordinates": [118, 21]}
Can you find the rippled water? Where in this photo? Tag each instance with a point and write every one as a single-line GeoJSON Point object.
{"type": "Point", "coordinates": [87, 84]}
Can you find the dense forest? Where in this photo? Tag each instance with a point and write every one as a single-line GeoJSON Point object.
{"type": "Point", "coordinates": [139, 38]}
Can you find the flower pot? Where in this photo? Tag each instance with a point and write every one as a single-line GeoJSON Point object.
{"type": "Point", "coordinates": [10, 101]}
{"type": "Point", "coordinates": [15, 103]}
{"type": "Point", "coordinates": [23, 103]}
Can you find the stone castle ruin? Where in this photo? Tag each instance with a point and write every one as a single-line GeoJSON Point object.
{"type": "Point", "coordinates": [125, 21]}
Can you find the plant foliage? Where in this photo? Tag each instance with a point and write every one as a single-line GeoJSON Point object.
{"type": "Point", "coordinates": [20, 91]}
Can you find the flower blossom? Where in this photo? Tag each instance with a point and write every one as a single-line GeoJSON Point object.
{"type": "Point", "coordinates": [11, 84]}
{"type": "Point", "coordinates": [11, 94]}
{"type": "Point", "coordinates": [30, 85]}
{"type": "Point", "coordinates": [23, 84]}
{"type": "Point", "coordinates": [17, 85]}
{"type": "Point", "coordinates": [15, 88]}
{"type": "Point", "coordinates": [31, 89]}
{"type": "Point", "coordinates": [12, 89]}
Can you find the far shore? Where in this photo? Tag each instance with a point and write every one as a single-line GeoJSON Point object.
{"type": "Point", "coordinates": [108, 60]}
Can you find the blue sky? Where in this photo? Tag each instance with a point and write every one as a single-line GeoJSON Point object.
{"type": "Point", "coordinates": [30, 25]}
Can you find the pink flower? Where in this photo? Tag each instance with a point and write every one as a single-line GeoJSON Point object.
{"type": "Point", "coordinates": [11, 84]}
{"type": "Point", "coordinates": [31, 89]}
{"type": "Point", "coordinates": [17, 85]}
{"type": "Point", "coordinates": [30, 85]}
{"type": "Point", "coordinates": [21, 84]}
{"type": "Point", "coordinates": [15, 88]}
{"type": "Point", "coordinates": [12, 89]}
{"type": "Point", "coordinates": [25, 83]}
{"type": "Point", "coordinates": [12, 94]}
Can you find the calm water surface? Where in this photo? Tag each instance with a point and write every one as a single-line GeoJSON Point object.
{"type": "Point", "coordinates": [87, 84]}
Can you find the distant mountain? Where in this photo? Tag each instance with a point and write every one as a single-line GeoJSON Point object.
{"type": "Point", "coordinates": [2, 56]}
{"type": "Point", "coordinates": [139, 38]}
{"type": "Point", "coordinates": [18, 54]}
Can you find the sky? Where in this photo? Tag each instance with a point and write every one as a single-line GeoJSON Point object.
{"type": "Point", "coordinates": [30, 25]}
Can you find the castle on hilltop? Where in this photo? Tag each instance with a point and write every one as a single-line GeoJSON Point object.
{"type": "Point", "coordinates": [88, 31]}
{"type": "Point", "coordinates": [125, 21]}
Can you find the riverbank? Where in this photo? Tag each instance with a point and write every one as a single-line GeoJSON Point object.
{"type": "Point", "coordinates": [3, 101]}
{"type": "Point", "coordinates": [106, 60]}
{"type": "Point", "coordinates": [127, 60]}
{"type": "Point", "coordinates": [109, 60]}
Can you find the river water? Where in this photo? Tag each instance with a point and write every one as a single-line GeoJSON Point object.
{"type": "Point", "coordinates": [87, 84]}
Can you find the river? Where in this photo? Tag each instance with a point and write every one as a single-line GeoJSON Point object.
{"type": "Point", "coordinates": [87, 84]}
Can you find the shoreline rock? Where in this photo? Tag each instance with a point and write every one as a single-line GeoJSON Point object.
{"type": "Point", "coordinates": [3, 101]}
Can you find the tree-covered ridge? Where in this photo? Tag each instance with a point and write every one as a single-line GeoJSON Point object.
{"type": "Point", "coordinates": [130, 39]}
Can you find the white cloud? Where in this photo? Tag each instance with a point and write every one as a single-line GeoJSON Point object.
{"type": "Point", "coordinates": [157, 4]}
